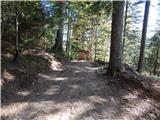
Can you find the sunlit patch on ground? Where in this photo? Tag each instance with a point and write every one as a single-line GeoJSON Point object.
{"type": "Point", "coordinates": [77, 93]}
{"type": "Point", "coordinates": [78, 61]}
{"type": "Point", "coordinates": [24, 93]}
{"type": "Point", "coordinates": [13, 109]}
{"type": "Point", "coordinates": [8, 76]}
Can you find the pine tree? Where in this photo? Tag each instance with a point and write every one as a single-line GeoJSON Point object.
{"type": "Point", "coordinates": [143, 39]}
{"type": "Point", "coordinates": [115, 62]}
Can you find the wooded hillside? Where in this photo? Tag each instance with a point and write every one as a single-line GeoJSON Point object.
{"type": "Point", "coordinates": [73, 60]}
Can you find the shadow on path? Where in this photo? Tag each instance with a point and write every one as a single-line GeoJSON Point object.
{"type": "Point", "coordinates": [74, 92]}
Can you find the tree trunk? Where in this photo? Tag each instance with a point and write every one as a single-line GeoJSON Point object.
{"type": "Point", "coordinates": [143, 39]}
{"type": "Point", "coordinates": [59, 38]}
{"type": "Point", "coordinates": [125, 24]}
{"type": "Point", "coordinates": [68, 35]}
{"type": "Point", "coordinates": [95, 34]}
{"type": "Point", "coordinates": [17, 35]}
{"type": "Point", "coordinates": [115, 61]}
{"type": "Point", "coordinates": [68, 41]}
{"type": "Point", "coordinates": [2, 17]}
{"type": "Point", "coordinates": [58, 42]}
{"type": "Point", "coordinates": [156, 62]}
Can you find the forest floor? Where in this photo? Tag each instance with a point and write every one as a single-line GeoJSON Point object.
{"type": "Point", "coordinates": [74, 91]}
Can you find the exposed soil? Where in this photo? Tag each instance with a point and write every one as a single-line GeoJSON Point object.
{"type": "Point", "coordinates": [76, 91]}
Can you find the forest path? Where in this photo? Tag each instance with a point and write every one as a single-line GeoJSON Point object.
{"type": "Point", "coordinates": [76, 92]}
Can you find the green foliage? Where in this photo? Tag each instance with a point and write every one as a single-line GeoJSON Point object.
{"type": "Point", "coordinates": [151, 55]}
{"type": "Point", "coordinates": [133, 35]}
{"type": "Point", "coordinates": [89, 25]}
{"type": "Point", "coordinates": [30, 16]}
{"type": "Point", "coordinates": [27, 42]}
{"type": "Point", "coordinates": [85, 34]}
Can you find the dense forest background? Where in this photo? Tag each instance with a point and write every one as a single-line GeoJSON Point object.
{"type": "Point", "coordinates": [82, 31]}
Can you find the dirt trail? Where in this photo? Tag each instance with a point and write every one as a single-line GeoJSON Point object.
{"type": "Point", "coordinates": [76, 92]}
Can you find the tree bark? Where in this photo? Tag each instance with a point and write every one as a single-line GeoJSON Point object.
{"type": "Point", "coordinates": [95, 52]}
{"type": "Point", "coordinates": [17, 34]}
{"type": "Point", "coordinates": [115, 61]}
{"type": "Point", "coordinates": [156, 62]}
{"type": "Point", "coordinates": [58, 46]}
{"type": "Point", "coordinates": [143, 39]}
{"type": "Point", "coordinates": [125, 24]}
{"type": "Point", "coordinates": [68, 41]}
{"type": "Point", "coordinates": [58, 42]}
{"type": "Point", "coordinates": [68, 35]}
{"type": "Point", "coordinates": [2, 17]}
